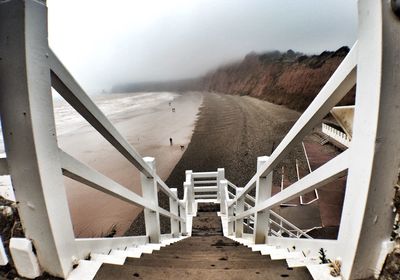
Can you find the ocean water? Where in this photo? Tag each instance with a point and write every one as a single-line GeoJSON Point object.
{"type": "Point", "coordinates": [68, 120]}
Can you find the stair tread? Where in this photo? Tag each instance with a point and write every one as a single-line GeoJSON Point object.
{"type": "Point", "coordinates": [203, 257]}
{"type": "Point", "coordinates": [153, 272]}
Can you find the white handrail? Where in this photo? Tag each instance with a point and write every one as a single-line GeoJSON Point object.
{"type": "Point", "coordinates": [329, 172]}
{"type": "Point", "coordinates": [71, 91]}
{"type": "Point", "coordinates": [341, 82]}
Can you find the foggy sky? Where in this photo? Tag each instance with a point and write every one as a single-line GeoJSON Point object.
{"type": "Point", "coordinates": [108, 42]}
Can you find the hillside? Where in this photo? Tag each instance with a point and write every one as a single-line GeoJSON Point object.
{"type": "Point", "coordinates": [291, 78]}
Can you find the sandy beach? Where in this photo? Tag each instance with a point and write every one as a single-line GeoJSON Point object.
{"type": "Point", "coordinates": [147, 122]}
{"type": "Point", "coordinates": [232, 131]}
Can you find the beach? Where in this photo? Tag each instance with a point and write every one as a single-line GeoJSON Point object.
{"type": "Point", "coordinates": [146, 120]}
{"type": "Point", "coordinates": [208, 131]}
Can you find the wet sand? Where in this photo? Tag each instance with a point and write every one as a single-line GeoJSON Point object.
{"type": "Point", "coordinates": [148, 130]}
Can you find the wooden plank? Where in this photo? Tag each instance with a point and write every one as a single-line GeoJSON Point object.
{"type": "Point", "coordinates": [204, 174]}
{"type": "Point", "coordinates": [263, 192]}
{"type": "Point", "coordinates": [27, 119]}
{"type": "Point", "coordinates": [367, 216]}
{"type": "Point", "coordinates": [205, 189]}
{"type": "Point", "coordinates": [82, 173]}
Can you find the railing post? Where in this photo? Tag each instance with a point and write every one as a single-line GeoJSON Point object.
{"type": "Point", "coordinates": [367, 216]}
{"type": "Point", "coordinates": [220, 176]}
{"type": "Point", "coordinates": [182, 214]}
{"type": "Point", "coordinates": [173, 208]}
{"type": "Point", "coordinates": [230, 223]}
{"type": "Point", "coordinates": [239, 210]}
{"type": "Point", "coordinates": [189, 185]}
{"type": "Point", "coordinates": [26, 109]}
{"type": "Point", "coordinates": [263, 191]}
{"type": "Point", "coordinates": [149, 192]}
{"type": "Point", "coordinates": [223, 201]}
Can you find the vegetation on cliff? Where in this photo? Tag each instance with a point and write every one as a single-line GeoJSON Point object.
{"type": "Point", "coordinates": [291, 78]}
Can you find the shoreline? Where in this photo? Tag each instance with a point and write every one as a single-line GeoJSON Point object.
{"type": "Point", "coordinates": [148, 130]}
{"type": "Point", "coordinates": [231, 132]}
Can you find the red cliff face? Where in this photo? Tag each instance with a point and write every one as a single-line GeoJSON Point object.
{"type": "Point", "coordinates": [290, 79]}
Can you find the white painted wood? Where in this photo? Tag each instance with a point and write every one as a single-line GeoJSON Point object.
{"type": "Point", "coordinates": [135, 252]}
{"type": "Point", "coordinates": [239, 222]}
{"type": "Point", "coordinates": [132, 253]}
{"type": "Point", "coordinates": [149, 191]}
{"type": "Point", "coordinates": [4, 167]}
{"type": "Point", "coordinates": [334, 90]}
{"type": "Point", "coordinates": [330, 171]}
{"type": "Point", "coordinates": [260, 247]}
{"type": "Point", "coordinates": [279, 254]}
{"type": "Point", "coordinates": [173, 208]}
{"type": "Point", "coordinates": [302, 261]}
{"type": "Point", "coordinates": [309, 247]}
{"type": "Point", "coordinates": [80, 172]}
{"type": "Point", "coordinates": [220, 177]}
{"type": "Point", "coordinates": [150, 247]}
{"type": "Point", "coordinates": [65, 84]}
{"type": "Point", "coordinates": [335, 134]}
{"type": "Point", "coordinates": [86, 246]}
{"type": "Point", "coordinates": [200, 189]}
{"type": "Point", "coordinates": [367, 216]}
{"type": "Point", "coordinates": [86, 270]}
{"type": "Point", "coordinates": [183, 212]}
{"type": "Point", "coordinates": [222, 186]}
{"type": "Point", "coordinates": [267, 250]}
{"type": "Point", "coordinates": [204, 174]}
{"type": "Point", "coordinates": [263, 192]}
{"type": "Point", "coordinates": [3, 255]}
{"type": "Point", "coordinates": [27, 118]}
{"type": "Point", "coordinates": [188, 184]}
{"type": "Point", "coordinates": [321, 272]}
{"type": "Point", "coordinates": [110, 259]}
{"type": "Point", "coordinates": [25, 261]}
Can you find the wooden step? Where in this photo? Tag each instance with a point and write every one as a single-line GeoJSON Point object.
{"type": "Point", "coordinates": [156, 273]}
{"type": "Point", "coordinates": [203, 258]}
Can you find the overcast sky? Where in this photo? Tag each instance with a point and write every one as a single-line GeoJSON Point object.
{"type": "Point", "coordinates": [108, 42]}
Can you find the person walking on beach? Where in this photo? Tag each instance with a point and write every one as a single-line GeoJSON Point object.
{"type": "Point", "coordinates": [170, 141]}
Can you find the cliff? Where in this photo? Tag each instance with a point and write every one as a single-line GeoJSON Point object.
{"type": "Point", "coordinates": [291, 78]}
